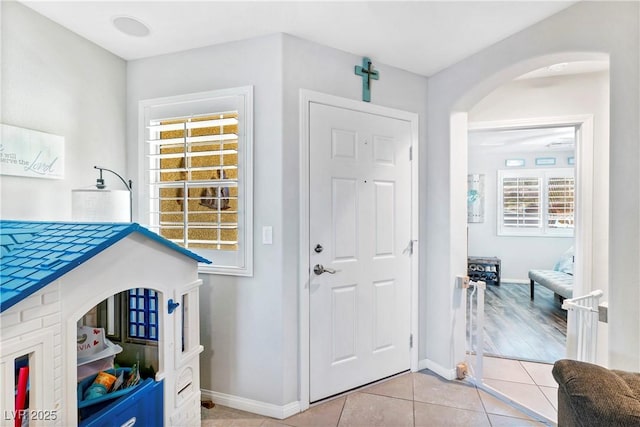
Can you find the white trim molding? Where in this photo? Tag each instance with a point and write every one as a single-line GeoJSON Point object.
{"type": "Point", "coordinates": [254, 406]}
{"type": "Point", "coordinates": [448, 374]}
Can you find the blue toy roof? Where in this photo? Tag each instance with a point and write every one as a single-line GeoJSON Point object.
{"type": "Point", "coordinates": [34, 254]}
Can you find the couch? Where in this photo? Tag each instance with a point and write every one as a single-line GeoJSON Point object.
{"type": "Point", "coordinates": [592, 396]}
{"type": "Point", "coordinates": [559, 279]}
{"type": "Point", "coordinates": [559, 282]}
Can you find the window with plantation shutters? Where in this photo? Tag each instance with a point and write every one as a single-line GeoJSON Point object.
{"type": "Point", "coordinates": [536, 202]}
{"type": "Point", "coordinates": [560, 202]}
{"type": "Point", "coordinates": [198, 160]}
{"type": "Point", "coordinates": [521, 202]}
{"type": "Point", "coordinates": [195, 186]}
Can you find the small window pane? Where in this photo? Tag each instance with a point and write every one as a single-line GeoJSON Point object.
{"type": "Point", "coordinates": [521, 202]}
{"type": "Point", "coordinates": [143, 314]}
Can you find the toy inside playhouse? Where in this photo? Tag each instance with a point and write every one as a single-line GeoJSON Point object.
{"type": "Point", "coordinates": [118, 358]}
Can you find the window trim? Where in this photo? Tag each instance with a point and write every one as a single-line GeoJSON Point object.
{"type": "Point", "coordinates": [544, 230]}
{"type": "Point", "coordinates": [244, 96]}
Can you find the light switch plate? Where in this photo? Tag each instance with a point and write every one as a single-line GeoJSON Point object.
{"type": "Point", "coordinates": [267, 235]}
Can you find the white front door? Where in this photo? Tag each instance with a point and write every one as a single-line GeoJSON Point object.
{"type": "Point", "coordinates": [360, 226]}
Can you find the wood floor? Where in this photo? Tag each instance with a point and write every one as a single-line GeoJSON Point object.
{"type": "Point", "coordinates": [518, 328]}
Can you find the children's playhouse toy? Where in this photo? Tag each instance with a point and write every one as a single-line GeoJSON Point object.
{"type": "Point", "coordinates": [83, 300]}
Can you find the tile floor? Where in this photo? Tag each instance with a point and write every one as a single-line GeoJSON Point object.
{"type": "Point", "coordinates": [422, 399]}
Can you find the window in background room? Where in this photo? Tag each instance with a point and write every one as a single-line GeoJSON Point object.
{"type": "Point", "coordinates": [200, 172]}
{"type": "Point", "coordinates": [536, 202]}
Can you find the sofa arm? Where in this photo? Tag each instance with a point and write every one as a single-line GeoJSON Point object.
{"type": "Point", "coordinates": [590, 395]}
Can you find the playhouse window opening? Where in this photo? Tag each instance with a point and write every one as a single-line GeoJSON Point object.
{"type": "Point", "coordinates": [185, 322]}
{"type": "Point", "coordinates": [143, 314]}
{"type": "Point", "coordinates": [21, 367]}
{"type": "Point", "coordinates": [131, 316]}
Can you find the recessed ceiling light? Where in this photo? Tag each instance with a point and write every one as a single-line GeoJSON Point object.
{"type": "Point", "coordinates": [130, 26]}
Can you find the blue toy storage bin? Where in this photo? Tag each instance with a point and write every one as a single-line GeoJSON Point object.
{"type": "Point", "coordinates": [138, 406]}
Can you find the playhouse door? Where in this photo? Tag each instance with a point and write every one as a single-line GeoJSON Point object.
{"type": "Point", "coordinates": [360, 225]}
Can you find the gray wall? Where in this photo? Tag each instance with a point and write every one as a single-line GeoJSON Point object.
{"type": "Point", "coordinates": [585, 30]}
{"type": "Point", "coordinates": [250, 325]}
{"type": "Point", "coordinates": [241, 318]}
{"type": "Point", "coordinates": [57, 82]}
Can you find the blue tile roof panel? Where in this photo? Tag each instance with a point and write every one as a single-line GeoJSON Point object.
{"type": "Point", "coordinates": [34, 254]}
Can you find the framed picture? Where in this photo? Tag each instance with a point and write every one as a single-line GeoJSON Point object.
{"type": "Point", "coordinates": [475, 198]}
{"type": "Point", "coordinates": [30, 153]}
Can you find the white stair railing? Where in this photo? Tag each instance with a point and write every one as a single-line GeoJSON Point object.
{"type": "Point", "coordinates": [582, 326]}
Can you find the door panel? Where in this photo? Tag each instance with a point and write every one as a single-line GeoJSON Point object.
{"type": "Point", "coordinates": [360, 212]}
{"type": "Point", "coordinates": [345, 219]}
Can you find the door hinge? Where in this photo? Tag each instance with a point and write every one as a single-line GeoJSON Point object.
{"type": "Point", "coordinates": [411, 341]}
{"type": "Point", "coordinates": [411, 243]}
{"type": "Point", "coordinates": [410, 153]}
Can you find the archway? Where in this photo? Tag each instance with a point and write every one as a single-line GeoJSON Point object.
{"type": "Point", "coordinates": [586, 164]}
{"type": "Point", "coordinates": [586, 30]}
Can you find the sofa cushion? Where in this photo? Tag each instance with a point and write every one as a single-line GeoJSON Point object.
{"type": "Point", "coordinates": [590, 395]}
{"type": "Point", "coordinates": [565, 262]}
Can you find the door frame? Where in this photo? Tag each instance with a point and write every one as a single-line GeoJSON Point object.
{"type": "Point", "coordinates": [583, 234]}
{"type": "Point", "coordinates": [306, 98]}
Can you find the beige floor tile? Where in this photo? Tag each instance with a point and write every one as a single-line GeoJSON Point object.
{"type": "Point", "coordinates": [219, 415]}
{"type": "Point", "coordinates": [420, 399]}
{"type": "Point", "coordinates": [526, 394]}
{"type": "Point", "coordinates": [541, 373]}
{"type": "Point", "coordinates": [495, 406]}
{"type": "Point", "coordinates": [429, 388]}
{"type": "Point", "coordinates": [229, 422]}
{"type": "Point", "coordinates": [400, 387]}
{"type": "Point", "coordinates": [506, 370]}
{"type": "Point", "coordinates": [502, 421]}
{"type": "Point", "coordinates": [370, 410]}
{"type": "Point", "coordinates": [273, 423]}
{"type": "Point", "coordinates": [325, 414]}
{"type": "Point", "coordinates": [552, 395]}
{"type": "Point", "coordinates": [430, 415]}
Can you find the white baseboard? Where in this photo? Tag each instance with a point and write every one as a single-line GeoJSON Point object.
{"type": "Point", "coordinates": [516, 281]}
{"type": "Point", "coordinates": [448, 374]}
{"type": "Point", "coordinates": [253, 406]}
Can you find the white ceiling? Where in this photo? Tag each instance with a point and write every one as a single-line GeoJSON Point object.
{"type": "Point", "coordinates": [419, 36]}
